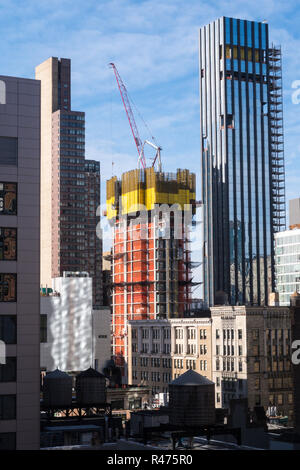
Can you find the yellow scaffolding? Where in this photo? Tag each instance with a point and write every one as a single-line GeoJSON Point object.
{"type": "Point", "coordinates": [147, 187]}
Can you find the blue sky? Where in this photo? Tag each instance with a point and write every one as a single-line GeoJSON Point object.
{"type": "Point", "coordinates": [155, 47]}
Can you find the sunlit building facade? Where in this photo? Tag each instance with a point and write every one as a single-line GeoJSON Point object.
{"type": "Point", "coordinates": [70, 184]}
{"type": "Point", "coordinates": [242, 159]}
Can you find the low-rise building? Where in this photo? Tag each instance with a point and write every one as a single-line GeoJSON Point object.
{"type": "Point", "coordinates": [161, 350]}
{"type": "Point", "coordinates": [149, 354]}
{"type": "Point", "coordinates": [191, 345]}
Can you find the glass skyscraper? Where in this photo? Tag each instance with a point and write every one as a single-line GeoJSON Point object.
{"type": "Point", "coordinates": [243, 187]}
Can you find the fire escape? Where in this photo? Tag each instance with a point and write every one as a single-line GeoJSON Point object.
{"type": "Point", "coordinates": [277, 142]}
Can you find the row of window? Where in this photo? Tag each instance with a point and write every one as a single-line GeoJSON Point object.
{"type": "Point", "coordinates": [229, 365]}
{"type": "Point", "coordinates": [228, 350]}
{"type": "Point", "coordinates": [8, 198]}
{"type": "Point", "coordinates": [229, 334]}
{"type": "Point", "coordinates": [8, 334]}
{"type": "Point", "coordinates": [191, 333]}
{"type": "Point", "coordinates": [155, 376]}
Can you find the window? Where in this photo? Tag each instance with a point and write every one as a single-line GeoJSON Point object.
{"type": "Point", "coordinates": [257, 384]}
{"type": "Point", "coordinates": [8, 198]}
{"type": "Point", "coordinates": [191, 333]}
{"type": "Point", "coordinates": [178, 333]}
{"type": "Point", "coordinates": [191, 349]}
{"type": "Point", "coordinates": [257, 400]}
{"type": "Point", "coordinates": [43, 329]}
{"type": "Point", "coordinates": [7, 407]}
{"type": "Point", "coordinates": [145, 333]}
{"type": "Point", "coordinates": [8, 151]}
{"type": "Point", "coordinates": [240, 334]}
{"type": "Point", "coordinates": [202, 334]}
{"type": "Point", "coordinates": [8, 287]}
{"type": "Point", "coordinates": [217, 334]}
{"type": "Point", "coordinates": [8, 329]}
{"type": "Point", "coordinates": [8, 244]}
{"type": "Point", "coordinates": [7, 441]}
{"type": "Point", "coordinates": [8, 371]}
{"type": "Point", "coordinates": [240, 351]}
{"type": "Point", "coordinates": [255, 334]}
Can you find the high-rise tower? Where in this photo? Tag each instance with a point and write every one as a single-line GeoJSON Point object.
{"type": "Point", "coordinates": [19, 264]}
{"type": "Point", "coordinates": [151, 213]}
{"type": "Point", "coordinates": [70, 185]}
{"type": "Point", "coordinates": [243, 184]}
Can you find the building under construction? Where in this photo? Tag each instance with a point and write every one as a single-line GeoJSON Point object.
{"type": "Point", "coordinates": [151, 213]}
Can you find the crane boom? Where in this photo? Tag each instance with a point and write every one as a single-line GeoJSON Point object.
{"type": "Point", "coordinates": [130, 116]}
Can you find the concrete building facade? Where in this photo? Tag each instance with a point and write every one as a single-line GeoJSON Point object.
{"type": "Point", "coordinates": [149, 354]}
{"type": "Point", "coordinates": [74, 336]}
{"type": "Point", "coordinates": [70, 184]}
{"type": "Point", "coordinates": [19, 263]}
{"type": "Point", "coordinates": [191, 346]}
{"type": "Point", "coordinates": [161, 350]}
{"type": "Point", "coordinates": [252, 357]}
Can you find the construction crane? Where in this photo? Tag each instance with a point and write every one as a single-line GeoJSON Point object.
{"type": "Point", "coordinates": [139, 145]}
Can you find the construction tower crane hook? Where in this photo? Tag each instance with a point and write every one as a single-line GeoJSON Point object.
{"type": "Point", "coordinates": [133, 126]}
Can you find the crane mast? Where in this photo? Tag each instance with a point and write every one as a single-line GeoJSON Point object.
{"type": "Point", "coordinates": [130, 116]}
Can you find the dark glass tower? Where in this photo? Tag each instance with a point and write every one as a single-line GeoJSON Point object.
{"type": "Point", "coordinates": [243, 187]}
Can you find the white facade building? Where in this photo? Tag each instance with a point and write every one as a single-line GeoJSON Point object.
{"type": "Point", "coordinates": [74, 336]}
{"type": "Point", "coordinates": [287, 264]}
